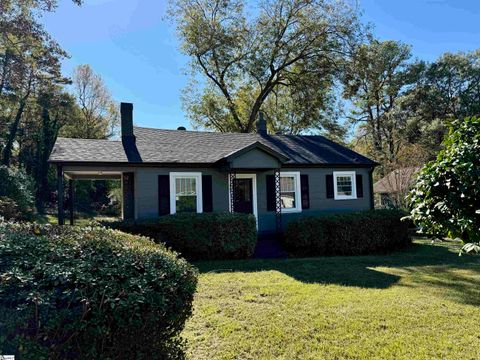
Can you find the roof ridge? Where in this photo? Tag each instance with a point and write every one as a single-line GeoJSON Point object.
{"type": "Point", "coordinates": [84, 139]}
{"type": "Point", "coordinates": [193, 131]}
{"type": "Point", "coordinates": [235, 133]}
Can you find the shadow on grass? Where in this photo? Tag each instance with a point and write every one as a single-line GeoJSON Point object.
{"type": "Point", "coordinates": [430, 265]}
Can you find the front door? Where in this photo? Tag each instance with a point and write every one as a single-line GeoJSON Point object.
{"type": "Point", "coordinates": [243, 201]}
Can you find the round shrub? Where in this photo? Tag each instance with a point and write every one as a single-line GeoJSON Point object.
{"type": "Point", "coordinates": [206, 236]}
{"type": "Point", "coordinates": [360, 233]}
{"type": "Point", "coordinates": [90, 293]}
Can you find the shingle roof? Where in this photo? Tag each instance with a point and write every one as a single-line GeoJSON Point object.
{"type": "Point", "coordinates": [179, 146]}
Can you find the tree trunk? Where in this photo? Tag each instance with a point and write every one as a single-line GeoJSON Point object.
{"type": "Point", "coordinates": [7, 151]}
{"type": "Point", "coordinates": [4, 75]}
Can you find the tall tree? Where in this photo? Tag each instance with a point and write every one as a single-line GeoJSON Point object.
{"type": "Point", "coordinates": [53, 110]}
{"type": "Point", "coordinates": [239, 61]}
{"type": "Point", "coordinates": [99, 115]}
{"type": "Point", "coordinates": [377, 78]}
{"type": "Point", "coordinates": [29, 59]}
{"type": "Point", "coordinates": [448, 88]}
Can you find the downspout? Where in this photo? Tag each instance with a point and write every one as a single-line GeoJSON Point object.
{"type": "Point", "coordinates": [61, 218]}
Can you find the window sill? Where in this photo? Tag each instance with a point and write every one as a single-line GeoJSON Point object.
{"type": "Point", "coordinates": [289, 211]}
{"type": "Point", "coordinates": [346, 198]}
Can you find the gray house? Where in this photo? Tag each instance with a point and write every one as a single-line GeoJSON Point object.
{"type": "Point", "coordinates": [275, 177]}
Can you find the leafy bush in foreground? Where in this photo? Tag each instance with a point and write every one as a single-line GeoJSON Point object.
{"type": "Point", "coordinates": [366, 232]}
{"type": "Point", "coordinates": [90, 293]}
{"type": "Point", "coordinates": [446, 198]}
{"type": "Point", "coordinates": [204, 236]}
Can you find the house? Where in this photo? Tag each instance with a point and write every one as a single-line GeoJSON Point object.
{"type": "Point", "coordinates": [275, 177]}
{"type": "Point", "coordinates": [390, 191]}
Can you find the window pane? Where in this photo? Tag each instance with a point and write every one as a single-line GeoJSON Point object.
{"type": "Point", "coordinates": [287, 183]}
{"type": "Point", "coordinates": [186, 204]}
{"type": "Point", "coordinates": [344, 185]}
{"type": "Point", "coordinates": [185, 186]}
{"type": "Point", "coordinates": [288, 200]}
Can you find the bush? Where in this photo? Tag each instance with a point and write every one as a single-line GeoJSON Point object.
{"type": "Point", "coordinates": [445, 201]}
{"type": "Point", "coordinates": [90, 293]}
{"type": "Point", "coordinates": [17, 186]}
{"type": "Point", "coordinates": [9, 208]}
{"type": "Point", "coordinates": [206, 236]}
{"type": "Point", "coordinates": [367, 232]}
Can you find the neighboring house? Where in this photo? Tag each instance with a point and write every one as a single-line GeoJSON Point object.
{"type": "Point", "coordinates": [391, 190]}
{"type": "Point", "coordinates": [274, 177]}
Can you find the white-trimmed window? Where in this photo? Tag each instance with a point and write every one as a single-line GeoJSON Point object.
{"type": "Point", "coordinates": [290, 191]}
{"type": "Point", "coordinates": [185, 192]}
{"type": "Point", "coordinates": [344, 185]}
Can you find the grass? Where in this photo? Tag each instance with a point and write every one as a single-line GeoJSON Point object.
{"type": "Point", "coordinates": [422, 303]}
{"type": "Point", "coordinates": [80, 219]}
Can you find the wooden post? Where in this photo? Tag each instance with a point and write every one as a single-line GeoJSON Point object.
{"type": "Point", "coordinates": [128, 189]}
{"type": "Point", "coordinates": [71, 195]}
{"type": "Point", "coordinates": [61, 219]}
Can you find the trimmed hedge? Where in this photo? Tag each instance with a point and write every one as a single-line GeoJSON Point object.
{"type": "Point", "coordinates": [90, 293]}
{"type": "Point", "coordinates": [367, 232]}
{"type": "Point", "coordinates": [206, 236]}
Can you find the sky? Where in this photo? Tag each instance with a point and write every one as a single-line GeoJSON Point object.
{"type": "Point", "coordinates": [132, 44]}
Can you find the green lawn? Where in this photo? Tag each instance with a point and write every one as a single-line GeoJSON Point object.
{"type": "Point", "coordinates": [80, 219]}
{"type": "Point", "coordinates": [422, 303]}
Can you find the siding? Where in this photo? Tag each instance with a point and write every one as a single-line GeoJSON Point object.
{"type": "Point", "coordinates": [255, 159]}
{"type": "Point", "coordinates": [146, 191]}
{"type": "Point", "coordinates": [319, 204]}
{"type": "Point", "coordinates": [147, 198]}
{"type": "Point", "coordinates": [146, 186]}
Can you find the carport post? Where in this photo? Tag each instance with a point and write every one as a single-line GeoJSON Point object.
{"type": "Point", "coordinates": [71, 195]}
{"type": "Point", "coordinates": [61, 219]}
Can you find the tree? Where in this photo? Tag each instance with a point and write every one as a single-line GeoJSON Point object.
{"type": "Point", "coordinates": [448, 88]}
{"type": "Point", "coordinates": [308, 106]}
{"type": "Point", "coordinates": [98, 112]}
{"type": "Point", "coordinates": [375, 81]}
{"type": "Point", "coordinates": [239, 62]}
{"type": "Point", "coordinates": [446, 198]}
{"type": "Point", "coordinates": [29, 59]}
{"type": "Point", "coordinates": [54, 109]}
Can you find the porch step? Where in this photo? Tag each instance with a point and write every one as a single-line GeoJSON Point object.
{"type": "Point", "coordinates": [269, 247]}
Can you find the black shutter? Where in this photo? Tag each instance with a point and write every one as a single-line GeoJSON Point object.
{"type": "Point", "coordinates": [304, 190]}
{"type": "Point", "coordinates": [163, 195]}
{"type": "Point", "coordinates": [270, 193]}
{"type": "Point", "coordinates": [359, 182]}
{"type": "Point", "coordinates": [207, 194]}
{"type": "Point", "coordinates": [329, 183]}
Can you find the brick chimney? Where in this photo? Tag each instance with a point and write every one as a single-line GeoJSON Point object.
{"type": "Point", "coordinates": [261, 124]}
{"type": "Point", "coordinates": [126, 114]}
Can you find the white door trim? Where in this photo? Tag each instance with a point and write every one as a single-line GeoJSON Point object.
{"type": "Point", "coordinates": [254, 191]}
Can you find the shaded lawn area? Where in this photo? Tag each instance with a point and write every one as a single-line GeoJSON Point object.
{"type": "Point", "coordinates": [422, 303]}
{"type": "Point", "coordinates": [80, 219]}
